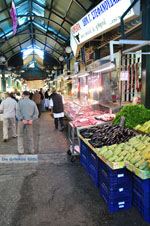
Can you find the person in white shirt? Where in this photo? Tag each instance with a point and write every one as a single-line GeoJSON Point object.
{"type": "Point", "coordinates": [8, 108]}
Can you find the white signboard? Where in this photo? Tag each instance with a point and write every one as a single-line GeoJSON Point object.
{"type": "Point", "coordinates": [104, 17]}
{"type": "Point", "coordinates": [124, 75]}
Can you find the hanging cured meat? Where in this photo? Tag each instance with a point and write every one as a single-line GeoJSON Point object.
{"type": "Point", "coordinates": [129, 77]}
{"type": "Point", "coordinates": [136, 76]}
{"type": "Point", "coordinates": [132, 82]}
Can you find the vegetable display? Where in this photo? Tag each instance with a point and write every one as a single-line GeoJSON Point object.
{"type": "Point", "coordinates": [106, 135]}
{"type": "Point", "coordinates": [134, 114]}
{"type": "Point", "coordinates": [136, 151]}
{"type": "Point", "coordinates": [143, 128]}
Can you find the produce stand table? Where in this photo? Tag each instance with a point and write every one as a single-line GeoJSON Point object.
{"type": "Point", "coordinates": [74, 138]}
{"type": "Point", "coordinates": [120, 184]}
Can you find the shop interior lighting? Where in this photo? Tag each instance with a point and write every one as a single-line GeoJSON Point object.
{"type": "Point", "coordinates": [9, 68]}
{"type": "Point", "coordinates": [2, 59]}
{"type": "Point", "coordinates": [68, 49]}
{"type": "Point", "coordinates": [106, 68]}
{"type": "Point", "coordinates": [61, 58]}
{"type": "Point", "coordinates": [82, 75]}
{"type": "Point", "coordinates": [99, 89]}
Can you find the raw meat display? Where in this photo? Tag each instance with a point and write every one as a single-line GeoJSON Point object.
{"type": "Point", "coordinates": [105, 117]}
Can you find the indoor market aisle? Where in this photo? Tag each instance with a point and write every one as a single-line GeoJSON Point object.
{"type": "Point", "coordinates": [54, 191]}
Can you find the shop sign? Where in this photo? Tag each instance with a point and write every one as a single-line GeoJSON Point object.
{"type": "Point", "coordinates": [124, 76]}
{"type": "Point", "coordinates": [104, 17]}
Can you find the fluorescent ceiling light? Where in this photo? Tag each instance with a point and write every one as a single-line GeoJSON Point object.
{"type": "Point", "coordinates": [105, 68]}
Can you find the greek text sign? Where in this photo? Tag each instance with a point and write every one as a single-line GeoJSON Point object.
{"type": "Point", "coordinates": [104, 17]}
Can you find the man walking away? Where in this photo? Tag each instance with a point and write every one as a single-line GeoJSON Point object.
{"type": "Point", "coordinates": [37, 99]}
{"type": "Point", "coordinates": [42, 99]}
{"type": "Point", "coordinates": [8, 108]}
{"type": "Point", "coordinates": [26, 112]}
{"type": "Point", "coordinates": [46, 100]}
{"type": "Point", "coordinates": [57, 109]}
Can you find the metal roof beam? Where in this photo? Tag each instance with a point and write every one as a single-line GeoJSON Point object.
{"type": "Point", "coordinates": [48, 46]}
{"type": "Point", "coordinates": [65, 17]}
{"type": "Point", "coordinates": [17, 29]}
{"type": "Point", "coordinates": [52, 32]}
{"type": "Point", "coordinates": [78, 3]}
{"type": "Point", "coordinates": [19, 33]}
{"type": "Point", "coordinates": [7, 51]}
{"type": "Point", "coordinates": [44, 18]}
{"type": "Point", "coordinates": [46, 8]}
{"type": "Point", "coordinates": [9, 6]}
{"type": "Point", "coordinates": [61, 44]}
{"type": "Point", "coordinates": [48, 22]}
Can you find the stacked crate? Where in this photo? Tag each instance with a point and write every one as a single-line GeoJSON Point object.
{"type": "Point", "coordinates": [90, 161]}
{"type": "Point", "coordinates": [115, 187]}
{"type": "Point", "coordinates": [84, 155]}
{"type": "Point", "coordinates": [141, 196]}
{"type": "Point", "coordinates": [93, 167]}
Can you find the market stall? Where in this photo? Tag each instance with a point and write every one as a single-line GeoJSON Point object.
{"type": "Point", "coordinates": [118, 160]}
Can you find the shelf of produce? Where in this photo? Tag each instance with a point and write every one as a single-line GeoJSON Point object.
{"type": "Point", "coordinates": [140, 132]}
{"type": "Point", "coordinates": [87, 143]}
{"type": "Point", "coordinates": [113, 165]}
{"type": "Point", "coordinates": [140, 173]}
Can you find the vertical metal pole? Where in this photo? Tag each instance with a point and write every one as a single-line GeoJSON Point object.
{"type": "Point", "coordinates": [145, 91]}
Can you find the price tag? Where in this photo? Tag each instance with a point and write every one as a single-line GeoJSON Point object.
{"type": "Point", "coordinates": [121, 189]}
{"type": "Point", "coordinates": [121, 203]}
{"type": "Point", "coordinates": [124, 76]}
{"type": "Point", "coordinates": [122, 206]}
{"type": "Point", "coordinates": [120, 175]}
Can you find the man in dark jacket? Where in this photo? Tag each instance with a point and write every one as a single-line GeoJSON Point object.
{"type": "Point", "coordinates": [42, 99]}
{"type": "Point", "coordinates": [57, 109]}
{"type": "Point", "coordinates": [47, 99]}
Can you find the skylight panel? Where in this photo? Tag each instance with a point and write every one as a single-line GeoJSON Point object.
{"type": "Point", "coordinates": [33, 50]}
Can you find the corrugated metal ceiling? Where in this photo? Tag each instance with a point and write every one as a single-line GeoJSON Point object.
{"type": "Point", "coordinates": [42, 23]}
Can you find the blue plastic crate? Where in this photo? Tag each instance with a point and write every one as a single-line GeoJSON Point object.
{"type": "Point", "coordinates": [142, 207]}
{"type": "Point", "coordinates": [94, 159]}
{"type": "Point", "coordinates": [84, 161]}
{"type": "Point", "coordinates": [116, 191]}
{"type": "Point", "coordinates": [93, 173]}
{"type": "Point", "coordinates": [84, 148]}
{"type": "Point", "coordinates": [114, 176]}
{"type": "Point", "coordinates": [140, 185]}
{"type": "Point", "coordinates": [116, 204]}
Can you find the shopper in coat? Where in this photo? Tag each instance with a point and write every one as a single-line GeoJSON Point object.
{"type": "Point", "coordinates": [37, 99]}
{"type": "Point", "coordinates": [57, 109]}
{"type": "Point", "coordinates": [42, 99]}
{"type": "Point", "coordinates": [8, 108]}
{"type": "Point", "coordinates": [26, 112]}
{"type": "Point", "coordinates": [46, 99]}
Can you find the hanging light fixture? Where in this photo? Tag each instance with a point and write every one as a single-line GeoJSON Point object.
{"type": "Point", "coordinates": [61, 58]}
{"type": "Point", "coordinates": [68, 49]}
{"type": "Point", "coordinates": [9, 68]}
{"type": "Point", "coordinates": [2, 59]}
{"type": "Point", "coordinates": [55, 67]}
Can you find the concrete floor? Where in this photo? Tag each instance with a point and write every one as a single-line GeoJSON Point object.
{"type": "Point", "coordinates": [54, 191]}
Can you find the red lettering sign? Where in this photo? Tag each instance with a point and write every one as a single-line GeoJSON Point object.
{"type": "Point", "coordinates": [76, 28]}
